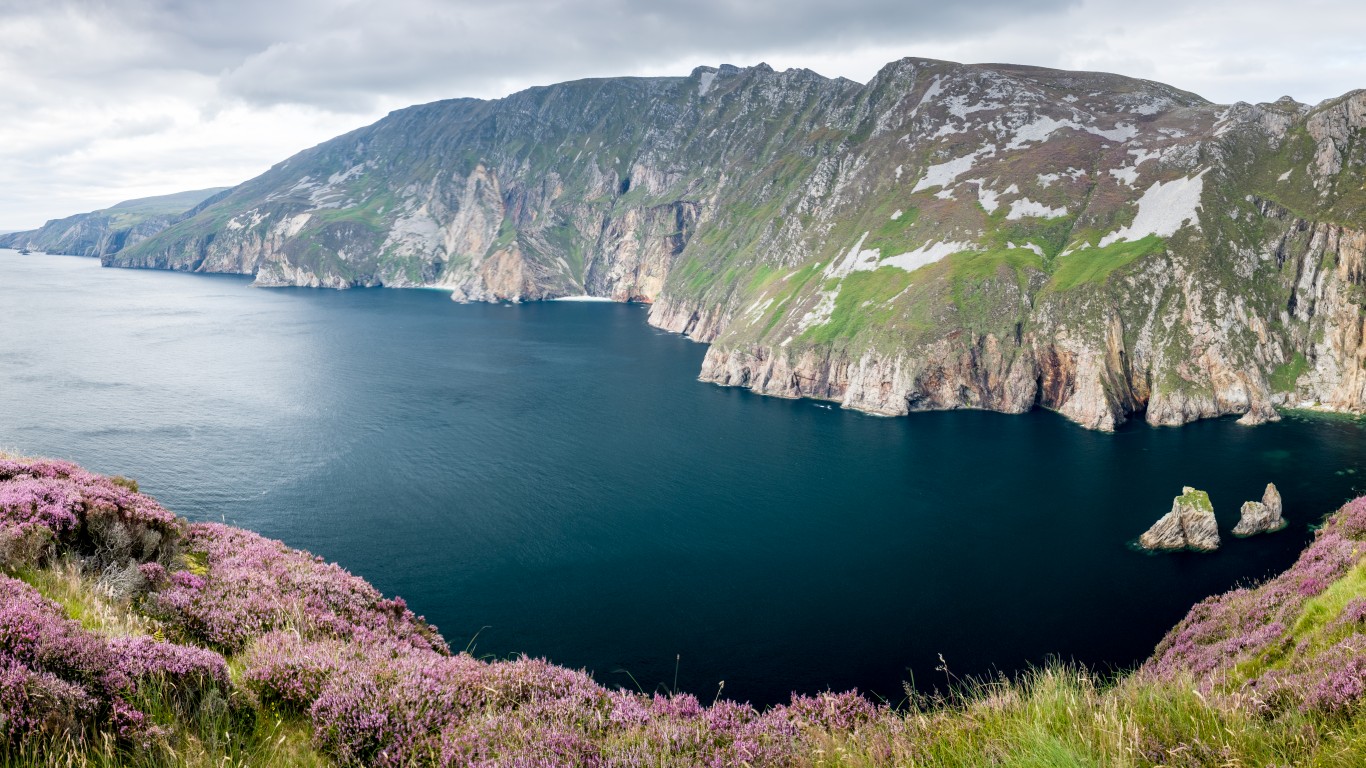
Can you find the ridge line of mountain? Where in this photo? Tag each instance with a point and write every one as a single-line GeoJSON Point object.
{"type": "Point", "coordinates": [943, 236]}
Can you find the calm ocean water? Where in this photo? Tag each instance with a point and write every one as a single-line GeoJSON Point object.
{"type": "Point", "coordinates": [552, 479]}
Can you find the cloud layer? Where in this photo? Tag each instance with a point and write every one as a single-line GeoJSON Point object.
{"type": "Point", "coordinates": [103, 100]}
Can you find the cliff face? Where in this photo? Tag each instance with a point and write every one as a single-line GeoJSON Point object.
{"type": "Point", "coordinates": [107, 231]}
{"type": "Point", "coordinates": [945, 236]}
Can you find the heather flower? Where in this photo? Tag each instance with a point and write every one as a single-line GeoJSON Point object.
{"type": "Point", "coordinates": [1340, 688]}
{"type": "Point", "coordinates": [154, 574]}
{"type": "Point", "coordinates": [287, 672]}
{"type": "Point", "coordinates": [142, 658]}
{"type": "Point", "coordinates": [832, 711]}
{"type": "Point", "coordinates": [39, 703]}
{"type": "Point", "coordinates": [58, 678]}
{"type": "Point", "coordinates": [1354, 613]}
{"type": "Point", "coordinates": [186, 580]}
{"type": "Point", "coordinates": [35, 632]}
{"type": "Point", "coordinates": [1350, 521]}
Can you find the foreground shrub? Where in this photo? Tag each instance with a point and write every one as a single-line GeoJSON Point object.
{"type": "Point", "coordinates": [60, 679]}
{"type": "Point", "coordinates": [60, 504]}
{"type": "Point", "coordinates": [253, 585]}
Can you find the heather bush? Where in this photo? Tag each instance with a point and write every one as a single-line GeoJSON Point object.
{"type": "Point", "coordinates": [39, 704]}
{"type": "Point", "coordinates": [54, 666]}
{"type": "Point", "coordinates": [288, 673]}
{"type": "Point", "coordinates": [255, 585]}
{"type": "Point", "coordinates": [191, 670]}
{"type": "Point", "coordinates": [111, 524]}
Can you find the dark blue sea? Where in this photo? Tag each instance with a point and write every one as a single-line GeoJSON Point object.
{"type": "Point", "coordinates": [552, 479]}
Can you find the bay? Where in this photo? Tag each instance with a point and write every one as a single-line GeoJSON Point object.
{"type": "Point", "coordinates": [551, 479]}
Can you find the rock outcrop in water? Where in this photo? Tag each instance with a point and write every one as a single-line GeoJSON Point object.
{"type": "Point", "coordinates": [1190, 525]}
{"type": "Point", "coordinates": [944, 236]}
{"type": "Point", "coordinates": [1261, 516]}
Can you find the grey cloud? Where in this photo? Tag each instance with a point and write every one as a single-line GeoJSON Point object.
{"type": "Point", "coordinates": [469, 47]}
{"type": "Point", "coordinates": [93, 89]}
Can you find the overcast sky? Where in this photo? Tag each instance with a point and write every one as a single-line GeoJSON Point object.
{"type": "Point", "coordinates": [106, 100]}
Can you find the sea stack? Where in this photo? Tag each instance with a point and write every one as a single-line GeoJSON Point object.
{"type": "Point", "coordinates": [1190, 525]}
{"type": "Point", "coordinates": [1261, 516]}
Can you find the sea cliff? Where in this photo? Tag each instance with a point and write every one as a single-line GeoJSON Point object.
{"type": "Point", "coordinates": [943, 236]}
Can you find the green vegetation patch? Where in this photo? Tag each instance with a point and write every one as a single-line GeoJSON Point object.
{"type": "Point", "coordinates": [1316, 628]}
{"type": "Point", "coordinates": [864, 300]}
{"type": "Point", "coordinates": [981, 265]}
{"type": "Point", "coordinates": [370, 213]}
{"type": "Point", "coordinates": [1095, 265]}
{"type": "Point", "coordinates": [894, 235]}
{"type": "Point", "coordinates": [980, 280]}
{"type": "Point", "coordinates": [1198, 499]}
{"type": "Point", "coordinates": [1284, 377]}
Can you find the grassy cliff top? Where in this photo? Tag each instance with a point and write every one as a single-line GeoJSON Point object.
{"type": "Point", "coordinates": [1195, 498]}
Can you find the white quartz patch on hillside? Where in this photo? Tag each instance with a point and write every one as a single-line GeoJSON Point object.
{"type": "Point", "coordinates": [705, 85]}
{"type": "Point", "coordinates": [1049, 179]}
{"type": "Point", "coordinates": [987, 197]}
{"type": "Point", "coordinates": [924, 255]}
{"type": "Point", "coordinates": [960, 108]}
{"type": "Point", "coordinates": [342, 177]}
{"type": "Point", "coordinates": [934, 90]}
{"type": "Point", "coordinates": [944, 173]}
{"type": "Point", "coordinates": [852, 261]}
{"type": "Point", "coordinates": [821, 313]}
{"type": "Point", "coordinates": [990, 198]}
{"type": "Point", "coordinates": [859, 259]}
{"type": "Point", "coordinates": [1039, 130]}
{"type": "Point", "coordinates": [1163, 209]}
{"type": "Point", "coordinates": [1128, 174]}
{"type": "Point", "coordinates": [1121, 132]}
{"type": "Point", "coordinates": [1027, 247]}
{"type": "Point", "coordinates": [1025, 207]}
{"type": "Point", "coordinates": [256, 218]}
{"type": "Point", "coordinates": [295, 224]}
{"type": "Point", "coordinates": [1043, 127]}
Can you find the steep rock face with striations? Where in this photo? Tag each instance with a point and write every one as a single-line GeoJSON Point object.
{"type": "Point", "coordinates": [944, 236]}
{"type": "Point", "coordinates": [109, 230]}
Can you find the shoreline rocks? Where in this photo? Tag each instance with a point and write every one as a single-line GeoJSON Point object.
{"type": "Point", "coordinates": [1261, 516]}
{"type": "Point", "coordinates": [1189, 525]}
